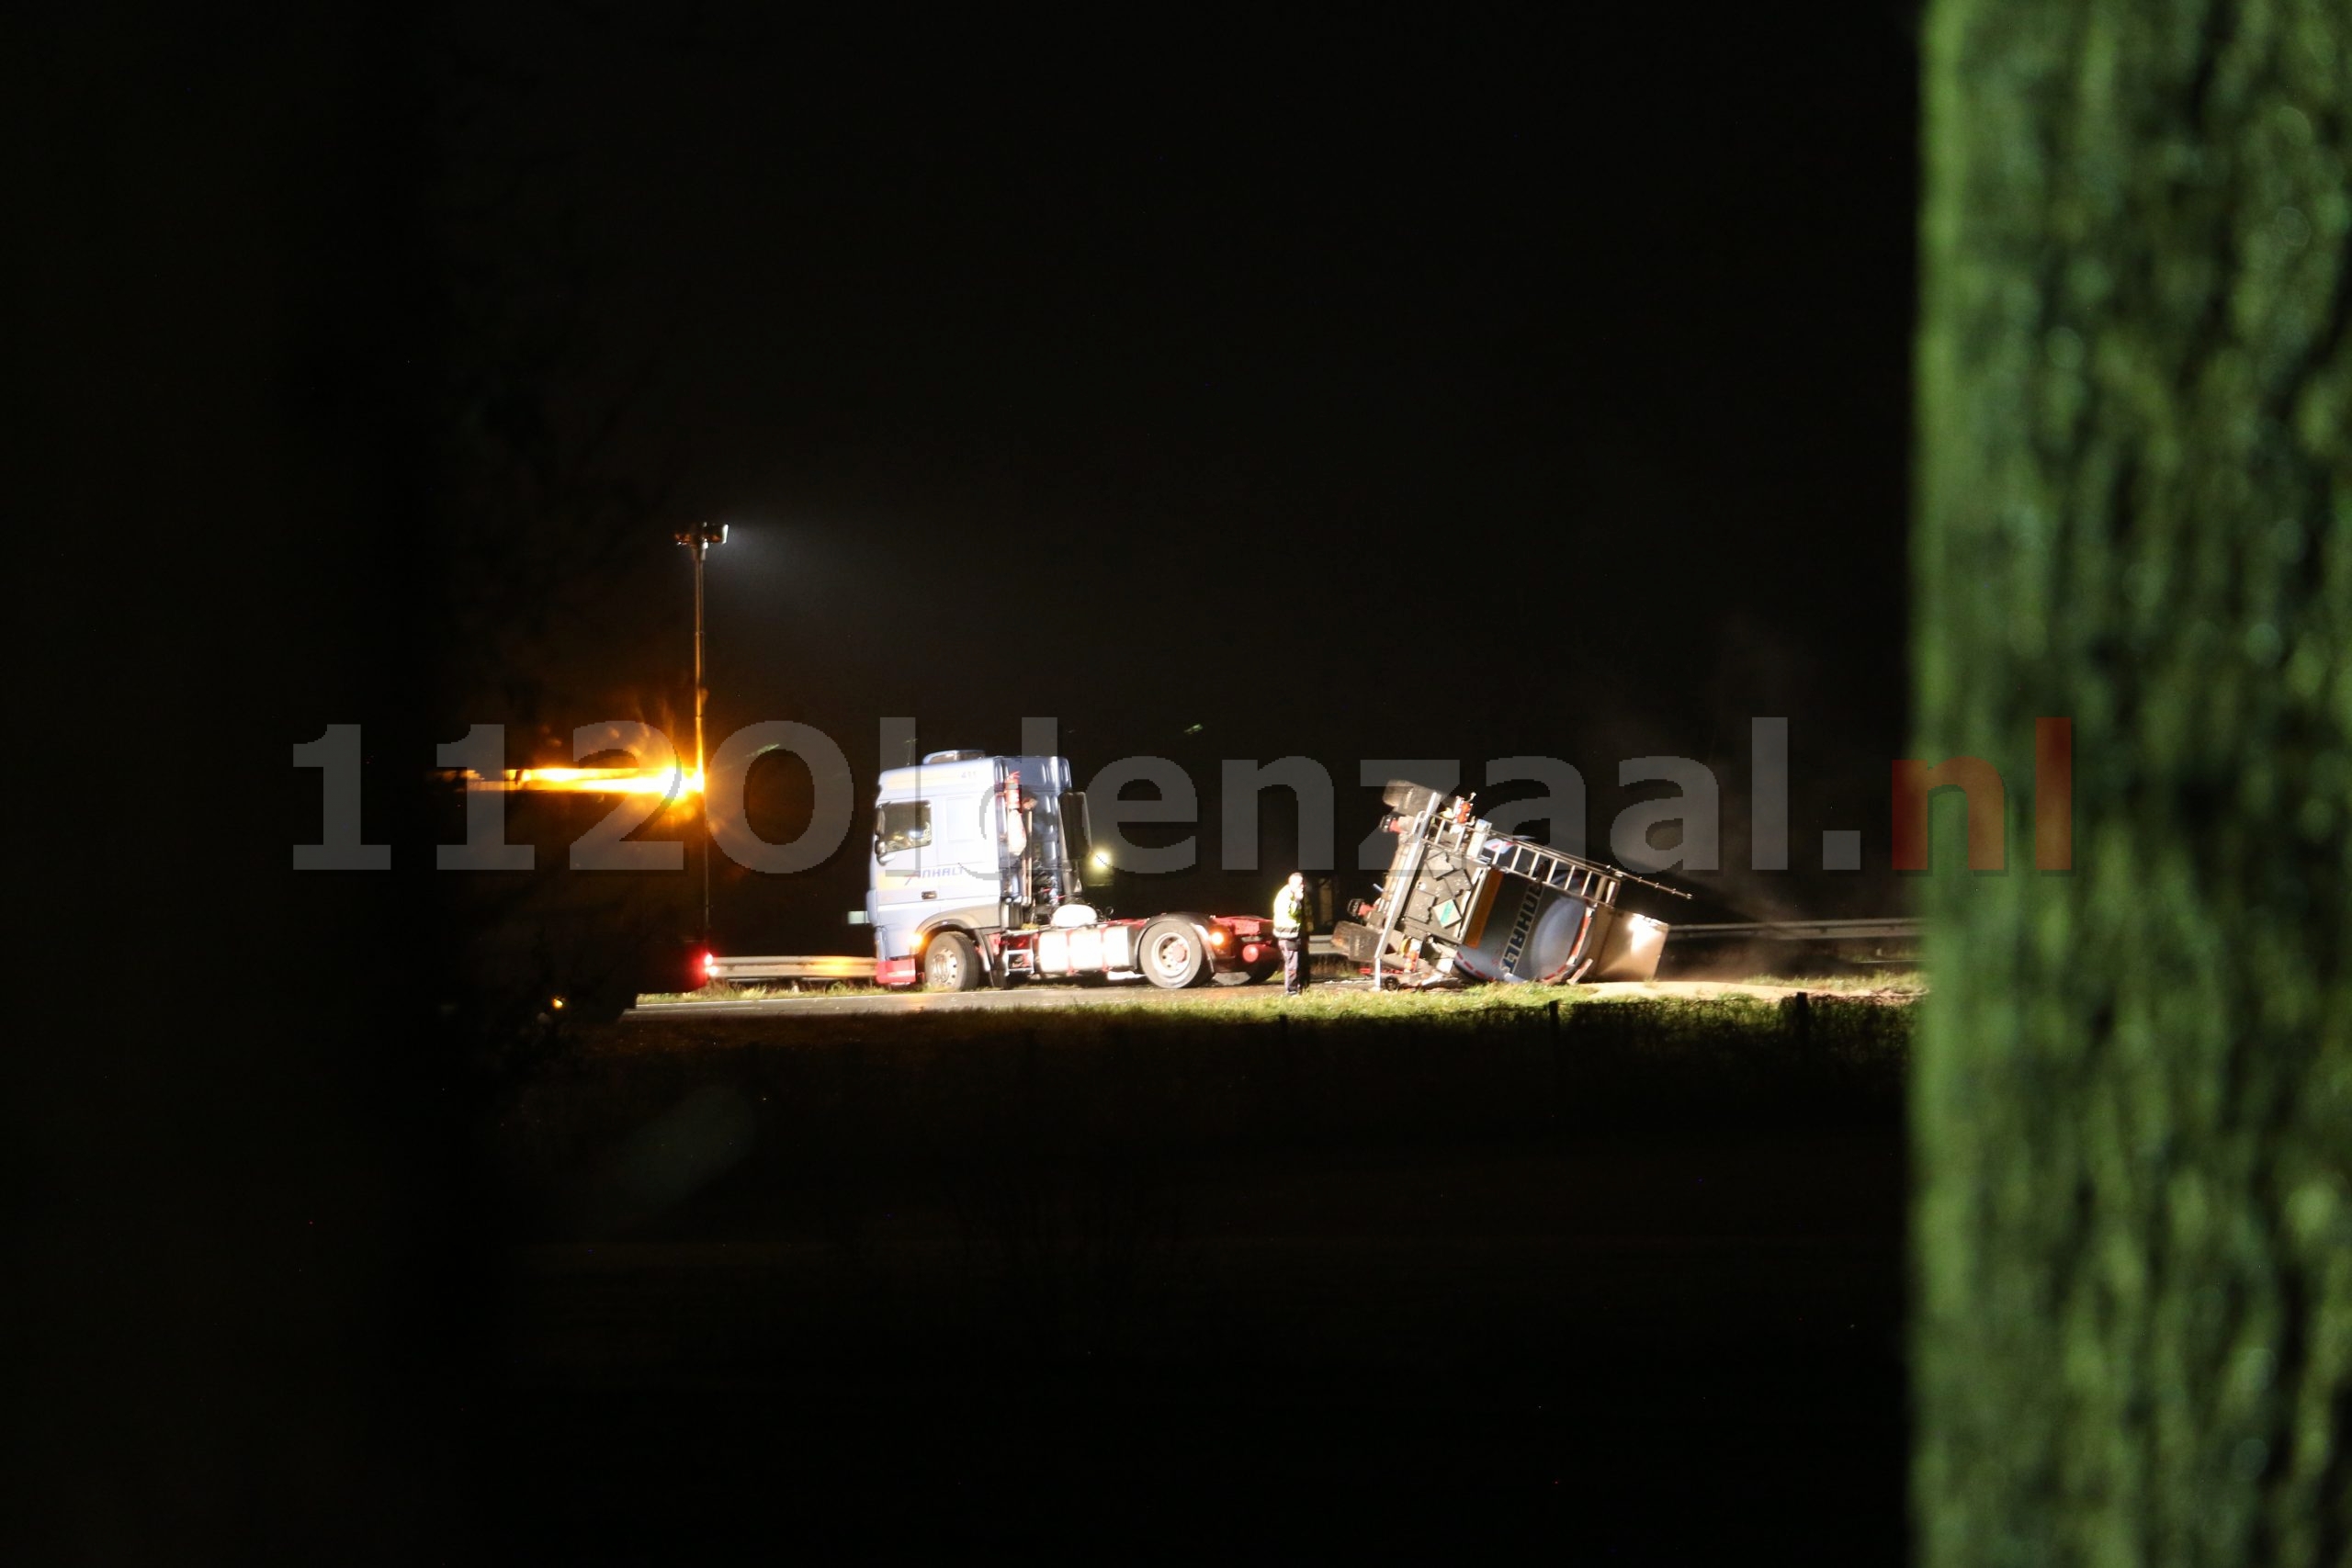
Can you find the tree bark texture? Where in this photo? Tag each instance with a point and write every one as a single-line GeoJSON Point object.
{"type": "Point", "coordinates": [2133, 1109]}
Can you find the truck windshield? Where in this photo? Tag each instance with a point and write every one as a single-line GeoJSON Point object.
{"type": "Point", "coordinates": [903, 825]}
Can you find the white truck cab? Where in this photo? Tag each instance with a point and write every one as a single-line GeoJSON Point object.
{"type": "Point", "coordinates": [976, 874]}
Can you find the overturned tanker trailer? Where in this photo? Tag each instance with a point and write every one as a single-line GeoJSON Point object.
{"type": "Point", "coordinates": [1462, 901]}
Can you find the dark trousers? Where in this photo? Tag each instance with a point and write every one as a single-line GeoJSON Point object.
{"type": "Point", "coordinates": [1293, 962]}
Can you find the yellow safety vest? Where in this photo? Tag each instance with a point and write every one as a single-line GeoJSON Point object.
{"type": "Point", "coordinates": [1290, 910]}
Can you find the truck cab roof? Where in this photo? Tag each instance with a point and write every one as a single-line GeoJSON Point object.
{"type": "Point", "coordinates": [1039, 776]}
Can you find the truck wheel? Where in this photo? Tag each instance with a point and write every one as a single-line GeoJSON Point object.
{"type": "Point", "coordinates": [951, 963]}
{"type": "Point", "coordinates": [1173, 955]}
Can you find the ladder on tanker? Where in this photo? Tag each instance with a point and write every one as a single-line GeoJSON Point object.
{"type": "Point", "coordinates": [1556, 869]}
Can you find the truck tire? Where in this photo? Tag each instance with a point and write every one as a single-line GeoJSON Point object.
{"type": "Point", "coordinates": [951, 963]}
{"type": "Point", "coordinates": [1173, 955]}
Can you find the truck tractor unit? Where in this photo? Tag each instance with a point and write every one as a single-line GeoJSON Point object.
{"type": "Point", "coordinates": [1463, 902]}
{"type": "Point", "coordinates": [978, 877]}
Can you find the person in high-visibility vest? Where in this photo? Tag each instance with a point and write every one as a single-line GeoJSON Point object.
{"type": "Point", "coordinates": [1290, 933]}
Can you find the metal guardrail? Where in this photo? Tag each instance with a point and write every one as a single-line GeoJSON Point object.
{"type": "Point", "coordinates": [789, 966]}
{"type": "Point", "coordinates": [1800, 930]}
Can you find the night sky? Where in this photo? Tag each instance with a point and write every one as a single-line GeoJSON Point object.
{"type": "Point", "coordinates": [1359, 395]}
{"type": "Point", "coordinates": [1355, 393]}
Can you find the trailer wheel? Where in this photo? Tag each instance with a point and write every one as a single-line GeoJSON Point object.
{"type": "Point", "coordinates": [951, 963]}
{"type": "Point", "coordinates": [1173, 956]}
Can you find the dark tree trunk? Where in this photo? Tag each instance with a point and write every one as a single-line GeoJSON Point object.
{"type": "Point", "coordinates": [2132, 1111]}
